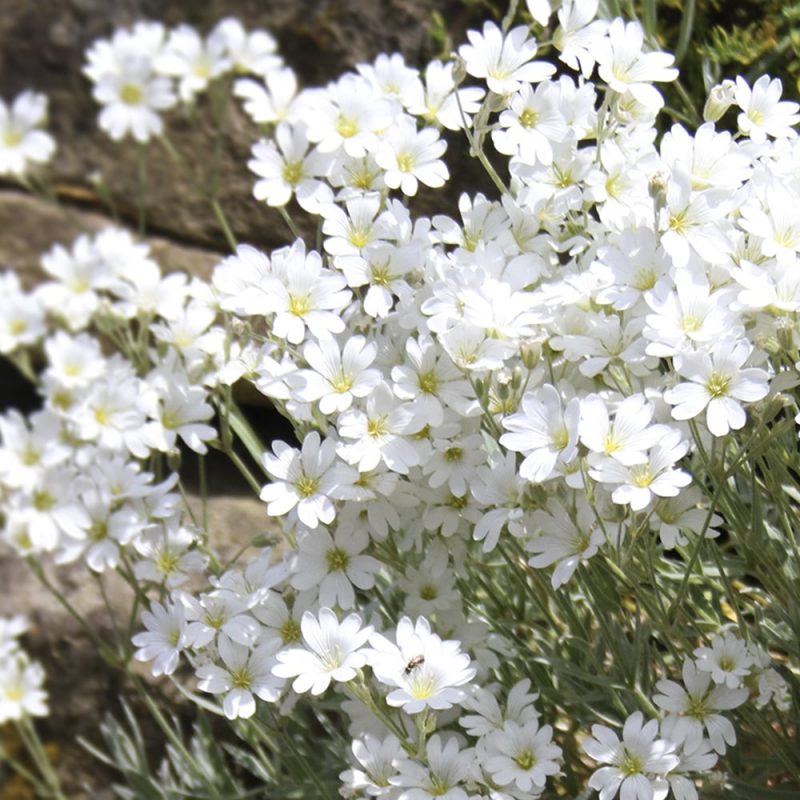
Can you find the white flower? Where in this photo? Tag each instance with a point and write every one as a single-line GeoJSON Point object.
{"type": "Point", "coordinates": [246, 673]}
{"type": "Point", "coordinates": [166, 636]}
{"type": "Point", "coordinates": [376, 760]}
{"type": "Point", "coordinates": [716, 381]}
{"type": "Point", "coordinates": [193, 61]}
{"type": "Point", "coordinates": [332, 566]}
{"type": "Point", "coordinates": [562, 540]}
{"type": "Point", "coordinates": [441, 102]}
{"type": "Point", "coordinates": [503, 61]}
{"type": "Point", "coordinates": [447, 766]}
{"type": "Point", "coordinates": [305, 480]}
{"type": "Point", "coordinates": [637, 763]}
{"type": "Point", "coordinates": [378, 433]}
{"type": "Point", "coordinates": [693, 709]}
{"type": "Point", "coordinates": [489, 716]}
{"type": "Point", "coordinates": [425, 670]}
{"type": "Point", "coordinates": [126, 84]}
{"type": "Point", "coordinates": [250, 51]}
{"type": "Point", "coordinates": [630, 435]}
{"type": "Point", "coordinates": [333, 651]}
{"type": "Point", "coordinates": [304, 295]}
{"type": "Point", "coordinates": [21, 137]}
{"type": "Point", "coordinates": [21, 315]}
{"type": "Point", "coordinates": [272, 101]}
{"type": "Point", "coordinates": [336, 377]}
{"type": "Point", "coordinates": [287, 168]}
{"type": "Point", "coordinates": [521, 754]}
{"type": "Point", "coordinates": [763, 112]}
{"type": "Point", "coordinates": [727, 659]}
{"type": "Point", "coordinates": [638, 484]}
{"type": "Point", "coordinates": [625, 68]}
{"type": "Point", "coordinates": [21, 690]}
{"type": "Point", "coordinates": [544, 432]}
{"type": "Point", "coordinates": [411, 157]}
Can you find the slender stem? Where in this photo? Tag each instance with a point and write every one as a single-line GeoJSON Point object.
{"type": "Point", "coordinates": [141, 174]}
{"type": "Point", "coordinates": [39, 755]}
{"type": "Point", "coordinates": [287, 218]}
{"type": "Point", "coordinates": [223, 223]}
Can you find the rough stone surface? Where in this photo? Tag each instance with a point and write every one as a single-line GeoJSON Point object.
{"type": "Point", "coordinates": [31, 226]}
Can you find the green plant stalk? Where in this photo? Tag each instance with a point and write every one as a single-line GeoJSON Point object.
{"type": "Point", "coordinates": [33, 743]}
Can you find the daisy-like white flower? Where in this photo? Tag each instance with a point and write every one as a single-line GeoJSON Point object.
{"type": "Point", "coordinates": [694, 709]}
{"type": "Point", "coordinates": [544, 431]}
{"type": "Point", "coordinates": [333, 566]}
{"type": "Point", "coordinates": [183, 411]}
{"type": "Point", "coordinates": [375, 760]}
{"type": "Point", "coordinates": [273, 100]}
{"type": "Point", "coordinates": [625, 68]}
{"type": "Point", "coordinates": [763, 112]}
{"type": "Point", "coordinates": [193, 61]}
{"type": "Point", "coordinates": [503, 61]}
{"type": "Point", "coordinates": [728, 660]}
{"type": "Point", "coordinates": [21, 692]}
{"type": "Point", "coordinates": [637, 764]}
{"type": "Point", "coordinates": [491, 716]}
{"type": "Point", "coordinates": [21, 137]}
{"type": "Point", "coordinates": [717, 384]}
{"type": "Point", "coordinates": [521, 754]}
{"type": "Point", "coordinates": [247, 674]}
{"type": "Point", "coordinates": [411, 157]}
{"type": "Point", "coordinates": [126, 85]}
{"type": "Point", "coordinates": [333, 652]}
{"type": "Point", "coordinates": [441, 102]}
{"type": "Point", "coordinates": [447, 765]}
{"type": "Point", "coordinates": [166, 636]}
{"type": "Point", "coordinates": [287, 168]}
{"type": "Point", "coordinates": [304, 480]}
{"type": "Point", "coordinates": [630, 435]}
{"type": "Point", "coordinates": [425, 670]}
{"type": "Point", "coordinates": [21, 315]}
{"type": "Point", "coordinates": [431, 381]}
{"type": "Point", "coordinates": [563, 540]}
{"type": "Point", "coordinates": [250, 51]}
{"type": "Point", "coordinates": [304, 295]}
{"type": "Point", "coordinates": [579, 34]}
{"type": "Point", "coordinates": [347, 115]}
{"type": "Point", "coordinates": [657, 477]}
{"type": "Point", "coordinates": [696, 758]}
{"type": "Point", "coordinates": [336, 377]}
{"type": "Point", "coordinates": [378, 433]}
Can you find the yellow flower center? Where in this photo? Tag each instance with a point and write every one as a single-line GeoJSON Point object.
{"type": "Point", "coordinates": [131, 94]}
{"type": "Point", "coordinates": [299, 305]}
{"type": "Point", "coordinates": [405, 162]}
{"type": "Point", "coordinates": [346, 127]}
{"type": "Point", "coordinates": [307, 486]}
{"type": "Point", "coordinates": [717, 384]}
{"type": "Point", "coordinates": [292, 172]}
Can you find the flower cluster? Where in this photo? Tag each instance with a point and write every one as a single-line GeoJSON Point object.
{"type": "Point", "coordinates": [21, 680]}
{"type": "Point", "coordinates": [538, 390]}
{"type": "Point", "coordinates": [22, 139]}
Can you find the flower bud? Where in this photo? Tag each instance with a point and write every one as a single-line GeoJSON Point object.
{"type": "Point", "coordinates": [720, 99]}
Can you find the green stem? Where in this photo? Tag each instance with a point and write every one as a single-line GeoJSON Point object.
{"type": "Point", "coordinates": [223, 223]}
{"type": "Point", "coordinates": [33, 743]}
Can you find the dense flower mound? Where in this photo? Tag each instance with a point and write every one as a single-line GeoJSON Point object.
{"type": "Point", "coordinates": [526, 429]}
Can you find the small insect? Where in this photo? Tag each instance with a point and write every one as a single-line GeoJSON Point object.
{"type": "Point", "coordinates": [415, 662]}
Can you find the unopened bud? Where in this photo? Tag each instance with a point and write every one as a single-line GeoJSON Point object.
{"type": "Point", "coordinates": [720, 99]}
{"type": "Point", "coordinates": [530, 353]}
{"type": "Point", "coordinates": [459, 69]}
